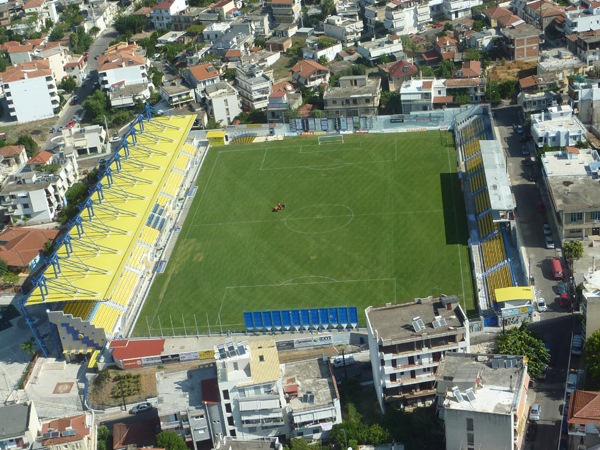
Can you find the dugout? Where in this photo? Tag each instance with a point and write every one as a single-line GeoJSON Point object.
{"type": "Point", "coordinates": [217, 138]}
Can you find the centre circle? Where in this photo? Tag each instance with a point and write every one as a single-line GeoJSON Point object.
{"type": "Point", "coordinates": [319, 219]}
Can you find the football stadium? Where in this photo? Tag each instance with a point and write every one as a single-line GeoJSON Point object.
{"type": "Point", "coordinates": [185, 236]}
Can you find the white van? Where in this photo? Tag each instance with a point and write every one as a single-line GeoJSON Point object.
{"type": "Point", "coordinates": [338, 361]}
{"type": "Point", "coordinates": [571, 383]}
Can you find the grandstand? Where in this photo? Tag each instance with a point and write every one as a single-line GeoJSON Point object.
{"type": "Point", "coordinates": [89, 284]}
{"type": "Point", "coordinates": [490, 214]}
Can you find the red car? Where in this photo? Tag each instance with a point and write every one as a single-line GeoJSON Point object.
{"type": "Point", "coordinates": [564, 301]}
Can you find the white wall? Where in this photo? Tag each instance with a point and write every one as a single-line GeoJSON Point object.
{"type": "Point", "coordinates": [489, 430]}
{"type": "Point", "coordinates": [23, 91]}
{"type": "Point", "coordinates": [129, 74]}
{"type": "Point", "coordinates": [221, 104]}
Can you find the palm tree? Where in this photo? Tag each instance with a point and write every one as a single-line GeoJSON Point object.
{"type": "Point", "coordinates": [28, 346]}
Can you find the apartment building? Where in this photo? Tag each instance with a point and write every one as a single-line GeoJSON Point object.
{"type": "Point", "coordinates": [223, 103]}
{"type": "Point", "coordinates": [200, 77]}
{"type": "Point", "coordinates": [408, 341]}
{"type": "Point", "coordinates": [570, 177]}
{"type": "Point", "coordinates": [261, 25]}
{"type": "Point", "coordinates": [429, 94]}
{"type": "Point", "coordinates": [535, 94]}
{"type": "Point", "coordinates": [398, 72]}
{"type": "Point", "coordinates": [584, 98]}
{"type": "Point", "coordinates": [354, 97]}
{"type": "Point", "coordinates": [312, 397]}
{"type": "Point", "coordinates": [315, 50]}
{"type": "Point", "coordinates": [376, 48]}
{"type": "Point", "coordinates": [482, 400]}
{"type": "Point", "coordinates": [35, 194]}
{"type": "Point", "coordinates": [557, 127]}
{"type": "Point", "coordinates": [186, 18]}
{"type": "Point", "coordinates": [582, 17]}
{"type": "Point", "coordinates": [252, 396]}
{"type": "Point", "coordinates": [405, 17]}
{"type": "Point", "coordinates": [123, 73]}
{"type": "Point", "coordinates": [24, 81]}
{"type": "Point", "coordinates": [310, 73]}
{"type": "Point", "coordinates": [585, 45]}
{"type": "Point", "coordinates": [285, 11]}
{"type": "Point", "coordinates": [162, 14]}
{"type": "Point", "coordinates": [83, 141]}
{"type": "Point", "coordinates": [20, 425]}
{"type": "Point", "coordinates": [12, 159]}
{"type": "Point", "coordinates": [456, 9]}
{"type": "Point", "coordinates": [176, 94]}
{"type": "Point", "coordinates": [216, 31]}
{"type": "Point", "coordinates": [254, 85]}
{"type": "Point", "coordinates": [345, 29]}
{"type": "Point", "coordinates": [69, 433]}
{"type": "Point", "coordinates": [540, 13]}
{"type": "Point", "coordinates": [589, 299]}
{"type": "Point", "coordinates": [521, 42]}
{"type": "Point", "coordinates": [280, 103]}
{"type": "Point", "coordinates": [559, 65]}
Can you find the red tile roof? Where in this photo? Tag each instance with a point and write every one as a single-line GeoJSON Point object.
{"type": "Point", "coordinates": [278, 94]}
{"type": "Point", "coordinates": [126, 57]}
{"type": "Point", "coordinates": [443, 99]}
{"type": "Point", "coordinates": [446, 41]}
{"type": "Point", "coordinates": [233, 54]}
{"type": "Point", "coordinates": [307, 67]}
{"type": "Point", "coordinates": [584, 407]}
{"type": "Point", "coordinates": [77, 423]}
{"type": "Point", "coordinates": [403, 69]}
{"type": "Point", "coordinates": [11, 150]}
{"type": "Point", "coordinates": [124, 349]}
{"type": "Point", "coordinates": [139, 434]}
{"type": "Point", "coordinates": [497, 12]}
{"type": "Point", "coordinates": [427, 84]}
{"type": "Point", "coordinates": [572, 150]}
{"type": "Point", "coordinates": [163, 5]}
{"type": "Point", "coordinates": [203, 72]}
{"type": "Point", "coordinates": [40, 158]}
{"type": "Point", "coordinates": [463, 82]}
{"type": "Point", "coordinates": [528, 82]}
{"type": "Point", "coordinates": [33, 4]}
{"type": "Point", "coordinates": [430, 56]}
{"type": "Point", "coordinates": [469, 69]}
{"type": "Point", "coordinates": [21, 48]}
{"type": "Point", "coordinates": [284, 86]}
{"type": "Point", "coordinates": [20, 246]}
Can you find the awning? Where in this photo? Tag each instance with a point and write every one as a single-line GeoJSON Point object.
{"type": "Point", "coordinates": [78, 351]}
{"type": "Point", "coordinates": [326, 426]}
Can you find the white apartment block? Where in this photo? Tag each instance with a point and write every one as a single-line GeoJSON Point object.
{"type": "Point", "coordinates": [254, 86]}
{"type": "Point", "coordinates": [215, 31]}
{"type": "Point", "coordinates": [122, 66]}
{"type": "Point", "coordinates": [163, 12]}
{"type": "Point", "coordinates": [482, 400]}
{"type": "Point", "coordinates": [455, 9]}
{"type": "Point", "coordinates": [314, 52]}
{"type": "Point", "coordinates": [100, 14]}
{"type": "Point", "coordinates": [373, 14]}
{"type": "Point", "coordinates": [344, 29]}
{"type": "Point", "coordinates": [200, 77]}
{"type": "Point", "coordinates": [408, 341]}
{"type": "Point", "coordinates": [583, 17]}
{"type": "Point", "coordinates": [251, 389]}
{"type": "Point", "coordinates": [399, 19]}
{"type": "Point", "coordinates": [286, 11]}
{"type": "Point", "coordinates": [557, 127]}
{"type": "Point", "coordinates": [223, 103]}
{"type": "Point", "coordinates": [57, 59]}
{"type": "Point", "coordinates": [584, 98]}
{"type": "Point", "coordinates": [376, 48]}
{"type": "Point", "coordinates": [35, 196]}
{"type": "Point", "coordinates": [83, 141]}
{"type": "Point", "coordinates": [428, 94]}
{"type": "Point", "coordinates": [26, 81]}
{"type": "Point", "coordinates": [12, 159]}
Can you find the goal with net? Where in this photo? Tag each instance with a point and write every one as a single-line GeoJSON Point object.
{"type": "Point", "coordinates": [331, 139]}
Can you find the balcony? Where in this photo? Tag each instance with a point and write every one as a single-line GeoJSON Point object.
{"type": "Point", "coordinates": [577, 430]}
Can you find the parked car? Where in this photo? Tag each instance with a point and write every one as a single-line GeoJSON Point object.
{"type": "Point", "coordinates": [572, 382]}
{"type": "Point", "coordinates": [549, 242]}
{"type": "Point", "coordinates": [577, 348]}
{"type": "Point", "coordinates": [140, 407]}
{"type": "Point", "coordinates": [520, 129]}
{"type": "Point", "coordinates": [338, 361]}
{"type": "Point", "coordinates": [73, 100]}
{"type": "Point", "coordinates": [564, 300]}
{"type": "Point", "coordinates": [535, 413]}
{"type": "Point", "coordinates": [525, 150]}
{"type": "Point", "coordinates": [547, 229]}
{"type": "Point", "coordinates": [541, 305]}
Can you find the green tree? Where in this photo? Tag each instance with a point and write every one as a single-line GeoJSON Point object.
{"type": "Point", "coordinates": [328, 7]}
{"type": "Point", "coordinates": [170, 440]}
{"type": "Point", "coordinates": [592, 358]}
{"type": "Point", "coordinates": [130, 24]}
{"type": "Point", "coordinates": [507, 88]}
{"type": "Point", "coordinates": [28, 346]}
{"type": "Point", "coordinates": [298, 444]}
{"type": "Point", "coordinates": [444, 69]}
{"type": "Point", "coordinates": [96, 105]}
{"type": "Point", "coordinates": [195, 30]}
{"type": "Point", "coordinates": [492, 94]}
{"type": "Point", "coordinates": [461, 96]}
{"type": "Point", "coordinates": [212, 124]}
{"type": "Point", "coordinates": [323, 60]}
{"type": "Point", "coordinates": [68, 84]}
{"type": "Point", "coordinates": [3, 267]}
{"type": "Point", "coordinates": [103, 434]}
{"type": "Point", "coordinates": [521, 341]}
{"type": "Point", "coordinates": [472, 54]}
{"type": "Point", "coordinates": [10, 278]}
{"type": "Point", "coordinates": [94, 31]}
{"type": "Point", "coordinates": [58, 32]}
{"type": "Point", "coordinates": [31, 147]}
{"type": "Point", "coordinates": [427, 71]}
{"type": "Point", "coordinates": [573, 250]}
{"type": "Point", "coordinates": [390, 102]}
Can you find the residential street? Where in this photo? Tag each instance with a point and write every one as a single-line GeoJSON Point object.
{"type": "Point", "coordinates": [556, 324]}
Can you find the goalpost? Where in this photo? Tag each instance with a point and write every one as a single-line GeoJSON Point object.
{"type": "Point", "coordinates": [331, 139]}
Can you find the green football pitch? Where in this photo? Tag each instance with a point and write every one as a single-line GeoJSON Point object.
{"type": "Point", "coordinates": [376, 219]}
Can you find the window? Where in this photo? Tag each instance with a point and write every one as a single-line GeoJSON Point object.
{"type": "Point", "coordinates": [354, 101]}
{"type": "Point", "coordinates": [226, 394]}
{"type": "Point", "coordinates": [261, 358]}
{"type": "Point", "coordinates": [334, 102]}
{"type": "Point", "coordinates": [228, 407]}
{"type": "Point", "coordinates": [236, 366]}
{"type": "Point", "coordinates": [469, 424]}
{"type": "Point", "coordinates": [470, 439]}
{"type": "Point", "coordinates": [25, 205]}
{"type": "Point", "coordinates": [595, 215]}
{"type": "Point", "coordinates": [576, 217]}
{"type": "Point", "coordinates": [367, 100]}
{"type": "Point", "coordinates": [230, 421]}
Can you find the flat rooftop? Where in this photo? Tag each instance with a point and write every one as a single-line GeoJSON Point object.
{"type": "Point", "coordinates": [370, 90]}
{"type": "Point", "coordinates": [311, 376]}
{"type": "Point", "coordinates": [264, 362]}
{"type": "Point", "coordinates": [395, 322]}
{"type": "Point", "coordinates": [181, 390]}
{"type": "Point", "coordinates": [498, 184]}
{"type": "Point", "coordinates": [563, 163]}
{"type": "Point", "coordinates": [559, 123]}
{"type": "Point", "coordinates": [496, 389]}
{"type": "Point", "coordinates": [573, 193]}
